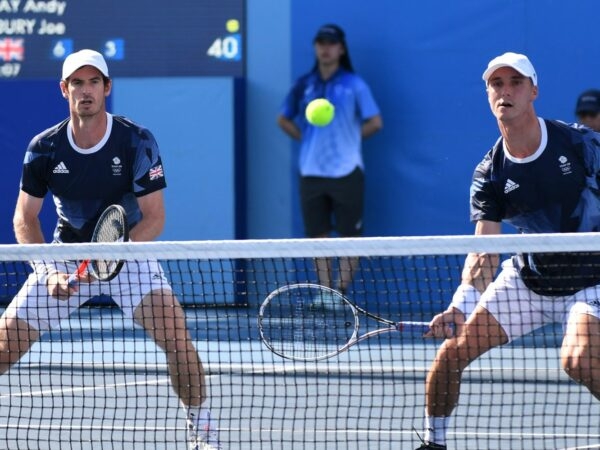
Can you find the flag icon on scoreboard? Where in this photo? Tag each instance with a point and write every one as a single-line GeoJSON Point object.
{"type": "Point", "coordinates": [12, 49]}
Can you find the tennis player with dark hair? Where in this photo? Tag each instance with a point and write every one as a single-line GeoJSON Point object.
{"type": "Point", "coordinates": [331, 163]}
{"type": "Point", "coordinates": [541, 176]}
{"type": "Point", "coordinates": [91, 160]}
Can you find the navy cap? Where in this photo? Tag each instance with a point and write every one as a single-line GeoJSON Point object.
{"type": "Point", "coordinates": [588, 101]}
{"type": "Point", "coordinates": [331, 33]}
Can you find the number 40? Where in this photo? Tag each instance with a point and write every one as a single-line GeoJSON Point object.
{"type": "Point", "coordinates": [224, 48]}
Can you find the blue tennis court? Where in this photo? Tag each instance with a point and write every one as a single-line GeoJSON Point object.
{"type": "Point", "coordinates": [99, 383]}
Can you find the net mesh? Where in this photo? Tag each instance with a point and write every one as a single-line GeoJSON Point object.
{"type": "Point", "coordinates": [99, 381]}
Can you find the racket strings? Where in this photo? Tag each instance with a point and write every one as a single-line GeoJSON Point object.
{"type": "Point", "coordinates": [111, 228]}
{"type": "Point", "coordinates": [302, 324]}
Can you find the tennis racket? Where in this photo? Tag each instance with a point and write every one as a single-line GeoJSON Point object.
{"type": "Point", "coordinates": [111, 227]}
{"type": "Point", "coordinates": [309, 322]}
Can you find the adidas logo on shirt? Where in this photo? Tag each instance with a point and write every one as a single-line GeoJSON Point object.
{"type": "Point", "coordinates": [510, 186]}
{"type": "Point", "coordinates": [60, 168]}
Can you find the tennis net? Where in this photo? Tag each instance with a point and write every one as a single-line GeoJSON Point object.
{"type": "Point", "coordinates": [98, 381]}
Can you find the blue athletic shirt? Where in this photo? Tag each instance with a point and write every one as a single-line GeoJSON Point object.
{"type": "Point", "coordinates": [555, 190]}
{"type": "Point", "coordinates": [124, 165]}
{"type": "Point", "coordinates": [334, 150]}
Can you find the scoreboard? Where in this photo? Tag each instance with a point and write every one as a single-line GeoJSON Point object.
{"type": "Point", "coordinates": [138, 38]}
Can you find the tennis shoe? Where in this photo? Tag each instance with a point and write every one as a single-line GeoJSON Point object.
{"type": "Point", "coordinates": [203, 435]}
{"type": "Point", "coordinates": [431, 446]}
{"type": "Point", "coordinates": [328, 301]}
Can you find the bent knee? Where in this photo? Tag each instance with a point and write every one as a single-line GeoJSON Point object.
{"type": "Point", "coordinates": [580, 366]}
{"type": "Point", "coordinates": [451, 356]}
{"type": "Point", "coordinates": [16, 338]}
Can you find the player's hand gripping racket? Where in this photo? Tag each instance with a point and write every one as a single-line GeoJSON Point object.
{"type": "Point", "coordinates": [309, 322]}
{"type": "Point", "coordinates": [111, 227]}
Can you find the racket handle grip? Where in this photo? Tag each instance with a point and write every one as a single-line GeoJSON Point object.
{"type": "Point", "coordinates": [416, 327]}
{"type": "Point", "coordinates": [74, 277]}
{"type": "Point", "coordinates": [413, 327]}
{"type": "Point", "coordinates": [72, 280]}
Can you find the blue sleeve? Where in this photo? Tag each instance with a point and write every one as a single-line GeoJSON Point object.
{"type": "Point", "coordinates": [148, 172]}
{"type": "Point", "coordinates": [485, 204]}
{"type": "Point", "coordinates": [34, 173]}
{"type": "Point", "coordinates": [290, 109]}
{"type": "Point", "coordinates": [367, 106]}
{"type": "Point", "coordinates": [588, 209]}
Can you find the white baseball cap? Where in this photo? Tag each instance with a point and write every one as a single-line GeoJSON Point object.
{"type": "Point", "coordinates": [515, 60]}
{"type": "Point", "coordinates": [83, 58]}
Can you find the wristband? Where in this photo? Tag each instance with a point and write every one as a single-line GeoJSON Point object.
{"type": "Point", "coordinates": [43, 270]}
{"type": "Point", "coordinates": [465, 299]}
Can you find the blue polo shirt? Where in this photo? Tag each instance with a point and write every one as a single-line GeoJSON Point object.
{"type": "Point", "coordinates": [334, 150]}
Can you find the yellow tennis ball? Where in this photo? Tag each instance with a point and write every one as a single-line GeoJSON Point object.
{"type": "Point", "coordinates": [320, 112]}
{"type": "Point", "coordinates": [232, 25]}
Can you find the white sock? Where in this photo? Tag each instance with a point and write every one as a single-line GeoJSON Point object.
{"type": "Point", "coordinates": [435, 429]}
{"type": "Point", "coordinates": [197, 414]}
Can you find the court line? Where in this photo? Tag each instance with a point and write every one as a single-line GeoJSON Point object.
{"type": "Point", "coordinates": [293, 431]}
{"type": "Point", "coordinates": [581, 448]}
{"type": "Point", "coordinates": [329, 431]}
{"type": "Point", "coordinates": [72, 427]}
{"type": "Point", "coordinates": [64, 390]}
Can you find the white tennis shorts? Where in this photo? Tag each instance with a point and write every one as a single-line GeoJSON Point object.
{"type": "Point", "coordinates": [520, 310]}
{"type": "Point", "coordinates": [34, 305]}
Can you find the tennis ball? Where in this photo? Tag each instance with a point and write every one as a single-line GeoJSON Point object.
{"type": "Point", "coordinates": [232, 25]}
{"type": "Point", "coordinates": [320, 112]}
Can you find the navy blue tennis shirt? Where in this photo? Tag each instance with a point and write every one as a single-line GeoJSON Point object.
{"type": "Point", "coordinates": [124, 165]}
{"type": "Point", "coordinates": [555, 190]}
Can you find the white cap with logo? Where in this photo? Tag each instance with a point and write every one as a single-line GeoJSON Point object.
{"type": "Point", "coordinates": [515, 60]}
{"type": "Point", "coordinates": [83, 58]}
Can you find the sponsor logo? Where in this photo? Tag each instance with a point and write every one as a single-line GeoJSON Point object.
{"type": "Point", "coordinates": [510, 186]}
{"type": "Point", "coordinates": [61, 168]}
{"type": "Point", "coordinates": [117, 167]}
{"type": "Point", "coordinates": [159, 276]}
{"type": "Point", "coordinates": [593, 302]}
{"type": "Point", "coordinates": [565, 165]}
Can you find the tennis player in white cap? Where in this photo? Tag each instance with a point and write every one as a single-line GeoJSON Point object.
{"type": "Point", "coordinates": [534, 178]}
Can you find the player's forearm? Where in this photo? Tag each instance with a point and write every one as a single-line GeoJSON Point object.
{"type": "Point", "coordinates": [147, 229]}
{"type": "Point", "coordinates": [28, 231]}
{"type": "Point", "coordinates": [289, 128]}
{"type": "Point", "coordinates": [371, 126]}
{"type": "Point", "coordinates": [479, 270]}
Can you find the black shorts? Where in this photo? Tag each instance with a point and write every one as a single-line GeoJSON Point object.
{"type": "Point", "coordinates": [333, 204]}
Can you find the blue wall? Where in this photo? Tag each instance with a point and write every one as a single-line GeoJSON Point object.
{"type": "Point", "coordinates": [193, 122]}
{"type": "Point", "coordinates": [424, 62]}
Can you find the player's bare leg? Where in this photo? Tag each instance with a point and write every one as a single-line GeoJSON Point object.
{"type": "Point", "coordinates": [347, 268]}
{"type": "Point", "coordinates": [480, 333]}
{"type": "Point", "coordinates": [324, 269]}
{"type": "Point", "coordinates": [16, 338]}
{"type": "Point", "coordinates": [580, 351]}
{"type": "Point", "coordinates": [162, 316]}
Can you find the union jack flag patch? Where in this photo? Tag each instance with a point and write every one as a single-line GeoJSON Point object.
{"type": "Point", "coordinates": [156, 172]}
